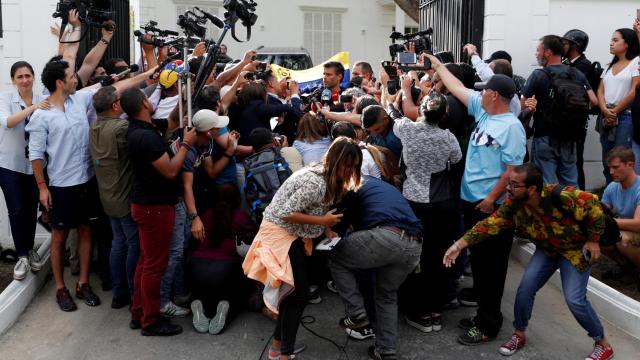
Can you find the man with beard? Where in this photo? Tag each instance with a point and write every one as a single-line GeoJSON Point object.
{"type": "Point", "coordinates": [566, 238]}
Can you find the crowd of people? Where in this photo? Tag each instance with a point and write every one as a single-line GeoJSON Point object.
{"type": "Point", "coordinates": [223, 216]}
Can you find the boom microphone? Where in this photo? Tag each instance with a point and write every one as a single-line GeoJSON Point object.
{"type": "Point", "coordinates": [214, 19]}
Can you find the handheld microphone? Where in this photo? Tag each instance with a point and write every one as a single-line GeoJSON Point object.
{"type": "Point", "coordinates": [109, 80]}
{"type": "Point", "coordinates": [214, 19]}
{"type": "Point", "coordinates": [326, 97]}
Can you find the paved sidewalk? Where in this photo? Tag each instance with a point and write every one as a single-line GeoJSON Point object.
{"type": "Point", "coordinates": [44, 332]}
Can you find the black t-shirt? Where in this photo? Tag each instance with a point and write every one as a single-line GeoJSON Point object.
{"type": "Point", "coordinates": [146, 145]}
{"type": "Point", "coordinates": [583, 64]}
{"type": "Point", "coordinates": [539, 84]}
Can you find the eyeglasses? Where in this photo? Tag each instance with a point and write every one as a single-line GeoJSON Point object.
{"type": "Point", "coordinates": [514, 185]}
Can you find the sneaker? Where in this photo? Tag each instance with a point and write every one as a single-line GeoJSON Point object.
{"type": "Point", "coordinates": [171, 309]}
{"type": "Point", "coordinates": [217, 323]}
{"type": "Point", "coordinates": [135, 324]}
{"type": "Point", "coordinates": [436, 322]}
{"type": "Point", "coordinates": [314, 295]}
{"type": "Point", "coordinates": [274, 354]}
{"type": "Point", "coordinates": [510, 347]}
{"type": "Point", "coordinates": [331, 286]}
{"type": "Point", "coordinates": [358, 328]}
{"type": "Point", "coordinates": [374, 354]}
{"type": "Point", "coordinates": [64, 300]}
{"type": "Point", "coordinates": [200, 320]}
{"type": "Point", "coordinates": [84, 292]}
{"type": "Point", "coordinates": [21, 269]}
{"type": "Point", "coordinates": [162, 327]}
{"type": "Point", "coordinates": [600, 353]}
{"type": "Point", "coordinates": [473, 337]}
{"type": "Point", "coordinates": [467, 297]}
{"type": "Point", "coordinates": [34, 261]}
{"type": "Point", "coordinates": [466, 323]}
{"type": "Point", "coordinates": [183, 300]}
{"type": "Point", "coordinates": [422, 323]}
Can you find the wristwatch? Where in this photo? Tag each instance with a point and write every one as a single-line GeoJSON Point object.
{"type": "Point", "coordinates": [192, 217]}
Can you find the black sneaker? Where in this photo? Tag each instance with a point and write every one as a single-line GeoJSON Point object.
{"type": "Point", "coordinates": [467, 297]}
{"type": "Point", "coordinates": [374, 354]}
{"type": "Point", "coordinates": [84, 292]}
{"type": "Point", "coordinates": [162, 327]}
{"type": "Point", "coordinates": [436, 322]}
{"type": "Point", "coordinates": [466, 323]}
{"type": "Point", "coordinates": [64, 300]}
{"type": "Point", "coordinates": [358, 328]}
{"type": "Point", "coordinates": [473, 337]}
{"type": "Point", "coordinates": [422, 323]}
{"type": "Point", "coordinates": [120, 303]}
{"type": "Point", "coordinates": [314, 295]}
{"type": "Point", "coordinates": [135, 324]}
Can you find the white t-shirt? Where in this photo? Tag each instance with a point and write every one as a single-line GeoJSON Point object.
{"type": "Point", "coordinates": [618, 85]}
{"type": "Point", "coordinates": [165, 107]}
{"type": "Point", "coordinates": [369, 166]}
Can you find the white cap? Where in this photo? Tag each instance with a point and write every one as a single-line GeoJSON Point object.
{"type": "Point", "coordinates": [205, 120]}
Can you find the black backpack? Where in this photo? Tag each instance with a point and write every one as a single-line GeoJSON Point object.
{"type": "Point", "coordinates": [611, 234]}
{"type": "Point", "coordinates": [568, 107]}
{"type": "Point", "coordinates": [264, 174]}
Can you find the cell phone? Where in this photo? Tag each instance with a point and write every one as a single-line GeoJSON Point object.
{"type": "Point", "coordinates": [407, 58]}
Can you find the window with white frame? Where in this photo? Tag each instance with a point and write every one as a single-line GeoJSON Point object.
{"type": "Point", "coordinates": [322, 33]}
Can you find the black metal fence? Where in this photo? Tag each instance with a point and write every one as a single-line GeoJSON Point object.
{"type": "Point", "coordinates": [454, 23]}
{"type": "Point", "coordinates": [120, 43]}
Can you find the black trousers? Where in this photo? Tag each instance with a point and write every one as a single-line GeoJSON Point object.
{"type": "Point", "coordinates": [292, 307]}
{"type": "Point", "coordinates": [426, 292]}
{"type": "Point", "coordinates": [489, 263]}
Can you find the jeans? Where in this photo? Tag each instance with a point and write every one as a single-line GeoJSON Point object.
{"type": "Point", "coordinates": [125, 250]}
{"type": "Point", "coordinates": [557, 160]}
{"type": "Point", "coordinates": [636, 151]}
{"type": "Point", "coordinates": [292, 307]}
{"type": "Point", "coordinates": [21, 197]}
{"type": "Point", "coordinates": [622, 135]}
{"type": "Point", "coordinates": [155, 229]}
{"type": "Point", "coordinates": [489, 263]}
{"type": "Point", "coordinates": [393, 256]}
{"type": "Point", "coordinates": [574, 286]}
{"type": "Point", "coordinates": [173, 279]}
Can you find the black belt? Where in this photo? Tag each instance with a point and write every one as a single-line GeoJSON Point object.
{"type": "Point", "coordinates": [403, 233]}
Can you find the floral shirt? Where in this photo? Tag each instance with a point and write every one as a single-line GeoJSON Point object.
{"type": "Point", "coordinates": [552, 230]}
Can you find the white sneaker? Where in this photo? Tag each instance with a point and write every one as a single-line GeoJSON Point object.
{"type": "Point", "coordinates": [200, 320]}
{"type": "Point", "coordinates": [171, 309]}
{"type": "Point", "coordinates": [34, 261]}
{"type": "Point", "coordinates": [21, 269]}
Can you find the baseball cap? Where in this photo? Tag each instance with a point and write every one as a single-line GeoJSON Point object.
{"type": "Point", "coordinates": [168, 78]}
{"type": "Point", "coordinates": [205, 120]}
{"type": "Point", "coordinates": [503, 84]}
{"type": "Point", "coordinates": [500, 54]}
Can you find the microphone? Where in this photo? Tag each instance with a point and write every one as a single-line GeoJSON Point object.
{"type": "Point", "coordinates": [214, 19]}
{"type": "Point", "coordinates": [326, 97]}
{"type": "Point", "coordinates": [109, 80]}
{"type": "Point", "coordinates": [170, 32]}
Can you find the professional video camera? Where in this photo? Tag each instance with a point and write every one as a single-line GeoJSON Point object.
{"type": "Point", "coordinates": [91, 12]}
{"type": "Point", "coordinates": [243, 10]}
{"type": "Point", "coordinates": [421, 41]}
{"type": "Point", "coordinates": [192, 24]}
{"type": "Point", "coordinates": [158, 38]}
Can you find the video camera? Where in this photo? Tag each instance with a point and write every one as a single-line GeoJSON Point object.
{"type": "Point", "coordinates": [421, 40]}
{"type": "Point", "coordinates": [192, 24]}
{"type": "Point", "coordinates": [157, 35]}
{"type": "Point", "coordinates": [243, 10]}
{"type": "Point", "coordinates": [90, 12]}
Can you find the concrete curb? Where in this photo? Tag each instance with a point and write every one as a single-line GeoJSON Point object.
{"type": "Point", "coordinates": [615, 307]}
{"type": "Point", "coordinates": [18, 295]}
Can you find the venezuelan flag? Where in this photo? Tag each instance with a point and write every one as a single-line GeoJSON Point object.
{"type": "Point", "coordinates": [310, 79]}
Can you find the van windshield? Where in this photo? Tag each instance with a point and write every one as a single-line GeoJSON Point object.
{"type": "Point", "coordinates": [289, 61]}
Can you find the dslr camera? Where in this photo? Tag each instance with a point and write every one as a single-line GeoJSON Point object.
{"type": "Point", "coordinates": [91, 12]}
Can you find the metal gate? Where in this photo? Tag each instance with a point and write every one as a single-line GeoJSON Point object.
{"type": "Point", "coordinates": [454, 23]}
{"type": "Point", "coordinates": [119, 46]}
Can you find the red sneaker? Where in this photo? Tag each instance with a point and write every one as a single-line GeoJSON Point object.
{"type": "Point", "coordinates": [512, 345]}
{"type": "Point", "coordinates": [600, 353]}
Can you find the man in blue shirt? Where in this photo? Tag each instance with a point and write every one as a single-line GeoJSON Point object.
{"type": "Point", "coordinates": [379, 126]}
{"type": "Point", "coordinates": [622, 195]}
{"type": "Point", "coordinates": [496, 146]}
{"type": "Point", "coordinates": [386, 238]}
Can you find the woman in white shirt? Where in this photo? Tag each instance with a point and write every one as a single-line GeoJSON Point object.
{"type": "Point", "coordinates": [617, 91]}
{"type": "Point", "coordinates": [16, 177]}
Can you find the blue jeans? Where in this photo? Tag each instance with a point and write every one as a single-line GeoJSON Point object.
{"type": "Point", "coordinates": [557, 160]}
{"type": "Point", "coordinates": [125, 250]}
{"type": "Point", "coordinates": [620, 135]}
{"type": "Point", "coordinates": [574, 287]}
{"type": "Point", "coordinates": [173, 279]}
{"type": "Point", "coordinates": [21, 197]}
{"type": "Point", "coordinates": [393, 256]}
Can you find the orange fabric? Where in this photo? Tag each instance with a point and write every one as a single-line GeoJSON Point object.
{"type": "Point", "coordinates": [268, 258]}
